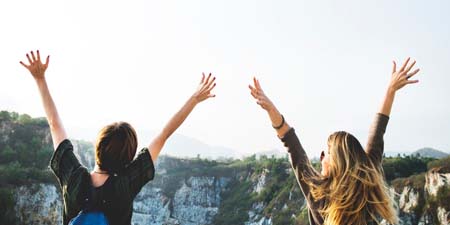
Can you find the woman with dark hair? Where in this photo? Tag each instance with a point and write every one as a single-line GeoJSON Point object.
{"type": "Point", "coordinates": [350, 189]}
{"type": "Point", "coordinates": [117, 178]}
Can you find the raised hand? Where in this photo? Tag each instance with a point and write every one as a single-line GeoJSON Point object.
{"type": "Point", "coordinates": [202, 93]}
{"type": "Point", "coordinates": [400, 77]}
{"type": "Point", "coordinates": [275, 116]}
{"type": "Point", "coordinates": [36, 67]}
{"type": "Point", "coordinates": [261, 99]}
{"type": "Point", "coordinates": [204, 89]}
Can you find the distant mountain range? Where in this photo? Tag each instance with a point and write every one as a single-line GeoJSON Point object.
{"type": "Point", "coordinates": [431, 153]}
{"type": "Point", "coordinates": [180, 145]}
{"type": "Point", "coordinates": [423, 152]}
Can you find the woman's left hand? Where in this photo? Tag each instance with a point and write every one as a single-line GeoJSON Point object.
{"type": "Point", "coordinates": [36, 67]}
{"type": "Point", "coordinates": [400, 77]}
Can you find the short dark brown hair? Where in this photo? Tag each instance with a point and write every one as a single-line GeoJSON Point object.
{"type": "Point", "coordinates": [115, 147]}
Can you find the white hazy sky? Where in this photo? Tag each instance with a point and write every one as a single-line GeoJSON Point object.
{"type": "Point", "coordinates": [325, 64]}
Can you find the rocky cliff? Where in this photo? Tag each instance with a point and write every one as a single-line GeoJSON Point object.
{"type": "Point", "coordinates": [181, 194]}
{"type": "Point", "coordinates": [184, 191]}
{"type": "Point", "coordinates": [424, 198]}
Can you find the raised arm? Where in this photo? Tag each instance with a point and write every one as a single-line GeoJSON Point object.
{"type": "Point", "coordinates": [202, 93]}
{"type": "Point", "coordinates": [37, 70]}
{"type": "Point", "coordinates": [277, 120]}
{"type": "Point", "coordinates": [399, 79]}
{"type": "Point", "coordinates": [299, 160]}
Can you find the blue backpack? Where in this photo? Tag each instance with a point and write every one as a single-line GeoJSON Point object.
{"type": "Point", "coordinates": [89, 218]}
{"type": "Point", "coordinates": [91, 213]}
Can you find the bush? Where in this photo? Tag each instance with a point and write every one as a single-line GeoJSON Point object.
{"type": "Point", "coordinates": [25, 151]}
{"type": "Point", "coordinates": [302, 218]}
{"type": "Point", "coordinates": [395, 167]}
{"type": "Point", "coordinates": [443, 164]}
{"type": "Point", "coordinates": [7, 207]}
{"type": "Point", "coordinates": [7, 155]}
{"type": "Point", "coordinates": [443, 197]}
{"type": "Point", "coordinates": [236, 203]}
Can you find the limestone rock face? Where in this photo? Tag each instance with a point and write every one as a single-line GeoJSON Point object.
{"type": "Point", "coordinates": [411, 201]}
{"type": "Point", "coordinates": [38, 204]}
{"type": "Point", "coordinates": [198, 200]}
{"type": "Point", "coordinates": [436, 180]}
{"type": "Point", "coordinates": [195, 203]}
{"type": "Point", "coordinates": [151, 207]}
{"type": "Point", "coordinates": [181, 194]}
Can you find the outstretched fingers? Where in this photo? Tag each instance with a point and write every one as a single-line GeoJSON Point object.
{"type": "Point", "coordinates": [35, 65]}
{"type": "Point", "coordinates": [211, 87]}
{"type": "Point", "coordinates": [410, 67]}
{"type": "Point", "coordinates": [209, 83]}
{"type": "Point", "coordinates": [47, 61]}
{"type": "Point", "coordinates": [35, 58]}
{"type": "Point", "coordinates": [32, 56]}
{"type": "Point", "coordinates": [401, 77]}
{"type": "Point", "coordinates": [394, 66]}
{"type": "Point", "coordinates": [411, 81]}
{"type": "Point", "coordinates": [29, 59]}
{"type": "Point", "coordinates": [405, 64]}
{"type": "Point", "coordinates": [206, 86]}
{"type": "Point", "coordinates": [38, 55]}
{"type": "Point", "coordinates": [412, 74]}
{"type": "Point", "coordinates": [207, 79]}
{"type": "Point", "coordinates": [258, 85]}
{"type": "Point", "coordinates": [407, 82]}
{"type": "Point", "coordinates": [203, 78]}
{"type": "Point", "coordinates": [211, 95]}
{"type": "Point", "coordinates": [252, 91]}
{"type": "Point", "coordinates": [23, 64]}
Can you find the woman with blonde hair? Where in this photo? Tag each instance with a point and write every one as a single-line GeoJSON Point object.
{"type": "Point", "coordinates": [350, 189]}
{"type": "Point", "coordinates": [105, 195]}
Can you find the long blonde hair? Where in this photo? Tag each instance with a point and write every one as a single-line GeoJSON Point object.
{"type": "Point", "coordinates": [355, 191]}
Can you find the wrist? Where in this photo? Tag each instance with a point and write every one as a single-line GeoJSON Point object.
{"type": "Point", "coordinates": [40, 80]}
{"type": "Point", "coordinates": [271, 109]}
{"type": "Point", "coordinates": [193, 100]}
{"type": "Point", "coordinates": [390, 91]}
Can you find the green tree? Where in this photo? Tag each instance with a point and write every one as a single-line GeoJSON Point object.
{"type": "Point", "coordinates": [6, 207]}
{"type": "Point", "coordinates": [7, 155]}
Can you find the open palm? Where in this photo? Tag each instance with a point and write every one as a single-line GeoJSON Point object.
{"type": "Point", "coordinates": [36, 67]}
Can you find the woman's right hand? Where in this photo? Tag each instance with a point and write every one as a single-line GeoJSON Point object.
{"type": "Point", "coordinates": [202, 93]}
{"type": "Point", "coordinates": [261, 99]}
{"type": "Point", "coordinates": [275, 116]}
{"type": "Point", "coordinates": [204, 89]}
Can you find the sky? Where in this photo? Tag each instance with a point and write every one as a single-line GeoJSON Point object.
{"type": "Point", "coordinates": [325, 64]}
